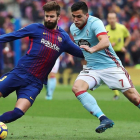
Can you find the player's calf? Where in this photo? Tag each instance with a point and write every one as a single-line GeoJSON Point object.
{"type": "Point", "coordinates": [11, 116]}
{"type": "Point", "coordinates": [133, 96]}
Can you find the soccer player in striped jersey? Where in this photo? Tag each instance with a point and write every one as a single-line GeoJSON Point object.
{"type": "Point", "coordinates": [46, 44]}
{"type": "Point", "coordinates": [103, 65]}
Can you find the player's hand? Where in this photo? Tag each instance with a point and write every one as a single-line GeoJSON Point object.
{"type": "Point", "coordinates": [70, 59]}
{"type": "Point", "coordinates": [123, 50]}
{"type": "Point", "coordinates": [86, 48]}
{"type": "Point", "coordinates": [113, 44]}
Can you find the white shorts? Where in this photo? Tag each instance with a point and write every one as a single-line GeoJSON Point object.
{"type": "Point", "coordinates": [116, 78]}
{"type": "Point", "coordinates": [56, 66]}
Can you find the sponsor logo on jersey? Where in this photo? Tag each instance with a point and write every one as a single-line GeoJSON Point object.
{"type": "Point", "coordinates": [3, 78]}
{"type": "Point", "coordinates": [44, 33]}
{"type": "Point", "coordinates": [59, 39]}
{"type": "Point", "coordinates": [49, 44]}
{"type": "Point", "coordinates": [74, 34]}
{"type": "Point", "coordinates": [83, 42]}
{"type": "Point", "coordinates": [31, 98]}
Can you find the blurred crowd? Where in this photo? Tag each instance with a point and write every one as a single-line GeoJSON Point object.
{"type": "Point", "coordinates": [29, 11]}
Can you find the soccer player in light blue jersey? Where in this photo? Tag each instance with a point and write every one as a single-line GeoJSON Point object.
{"type": "Point", "coordinates": [103, 65]}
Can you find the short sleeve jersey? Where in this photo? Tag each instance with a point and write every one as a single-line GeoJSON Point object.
{"type": "Point", "coordinates": [88, 35]}
{"type": "Point", "coordinates": [118, 35]}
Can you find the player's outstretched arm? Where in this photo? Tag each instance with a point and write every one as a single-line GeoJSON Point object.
{"type": "Point", "coordinates": [23, 32]}
{"type": "Point", "coordinates": [72, 48]}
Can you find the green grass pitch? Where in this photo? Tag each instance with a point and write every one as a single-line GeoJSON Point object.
{"type": "Point", "coordinates": [64, 118]}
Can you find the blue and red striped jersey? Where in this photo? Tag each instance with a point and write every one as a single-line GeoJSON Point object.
{"type": "Point", "coordinates": [45, 46]}
{"type": "Point", "coordinates": [1, 48]}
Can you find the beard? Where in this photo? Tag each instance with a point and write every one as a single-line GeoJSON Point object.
{"type": "Point", "coordinates": [50, 25]}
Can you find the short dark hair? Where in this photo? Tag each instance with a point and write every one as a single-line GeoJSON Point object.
{"type": "Point", "coordinates": [112, 12]}
{"type": "Point", "coordinates": [79, 6]}
{"type": "Point", "coordinates": [52, 6]}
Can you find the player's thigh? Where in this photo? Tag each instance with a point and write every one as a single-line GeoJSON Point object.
{"type": "Point", "coordinates": [9, 83]}
{"type": "Point", "coordinates": [23, 104]}
{"type": "Point", "coordinates": [28, 92]}
{"type": "Point", "coordinates": [117, 78]}
{"type": "Point", "coordinates": [87, 79]}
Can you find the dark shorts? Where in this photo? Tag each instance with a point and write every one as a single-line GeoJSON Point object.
{"type": "Point", "coordinates": [26, 85]}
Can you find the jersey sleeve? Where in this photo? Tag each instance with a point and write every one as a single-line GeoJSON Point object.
{"type": "Point", "coordinates": [2, 32]}
{"type": "Point", "coordinates": [98, 28]}
{"type": "Point", "coordinates": [126, 32]}
{"type": "Point", "coordinates": [72, 48]}
{"type": "Point", "coordinates": [23, 32]}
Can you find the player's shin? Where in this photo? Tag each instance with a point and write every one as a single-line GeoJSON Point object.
{"type": "Point", "coordinates": [50, 87]}
{"type": "Point", "coordinates": [11, 116]}
{"type": "Point", "coordinates": [90, 104]}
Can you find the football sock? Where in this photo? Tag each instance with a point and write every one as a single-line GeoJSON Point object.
{"type": "Point", "coordinates": [116, 92]}
{"type": "Point", "coordinates": [11, 116]}
{"type": "Point", "coordinates": [89, 103]}
{"type": "Point", "coordinates": [51, 86]}
{"type": "Point", "coordinates": [102, 118]}
{"type": "Point", "coordinates": [138, 105]}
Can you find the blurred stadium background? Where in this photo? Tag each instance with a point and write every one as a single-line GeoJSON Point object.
{"type": "Point", "coordinates": [15, 14]}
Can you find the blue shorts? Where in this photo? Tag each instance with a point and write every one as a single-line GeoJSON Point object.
{"type": "Point", "coordinates": [26, 85]}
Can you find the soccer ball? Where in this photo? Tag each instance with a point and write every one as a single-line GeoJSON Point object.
{"type": "Point", "coordinates": [3, 131]}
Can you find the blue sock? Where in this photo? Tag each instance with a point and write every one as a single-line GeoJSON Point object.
{"type": "Point", "coordinates": [51, 86]}
{"type": "Point", "coordinates": [89, 103]}
{"type": "Point", "coordinates": [11, 116]}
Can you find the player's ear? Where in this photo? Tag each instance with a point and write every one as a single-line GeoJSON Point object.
{"type": "Point", "coordinates": [58, 17]}
{"type": "Point", "coordinates": [87, 14]}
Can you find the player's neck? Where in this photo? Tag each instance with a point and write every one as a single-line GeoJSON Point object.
{"type": "Point", "coordinates": [56, 27]}
{"type": "Point", "coordinates": [83, 25]}
{"type": "Point", "coordinates": [113, 27]}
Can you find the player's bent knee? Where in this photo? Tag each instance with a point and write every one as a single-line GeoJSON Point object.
{"type": "Point", "coordinates": [75, 89]}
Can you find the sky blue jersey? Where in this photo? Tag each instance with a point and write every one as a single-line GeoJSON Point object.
{"type": "Point", "coordinates": [88, 35]}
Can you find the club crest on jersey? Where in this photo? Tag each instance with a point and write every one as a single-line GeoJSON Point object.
{"type": "Point", "coordinates": [87, 32]}
{"type": "Point", "coordinates": [74, 34]}
{"type": "Point", "coordinates": [83, 42]}
{"type": "Point", "coordinates": [59, 39]}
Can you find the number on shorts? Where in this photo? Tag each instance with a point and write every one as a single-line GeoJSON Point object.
{"type": "Point", "coordinates": [121, 80]}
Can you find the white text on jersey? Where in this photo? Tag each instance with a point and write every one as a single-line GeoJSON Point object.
{"type": "Point", "coordinates": [49, 44]}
